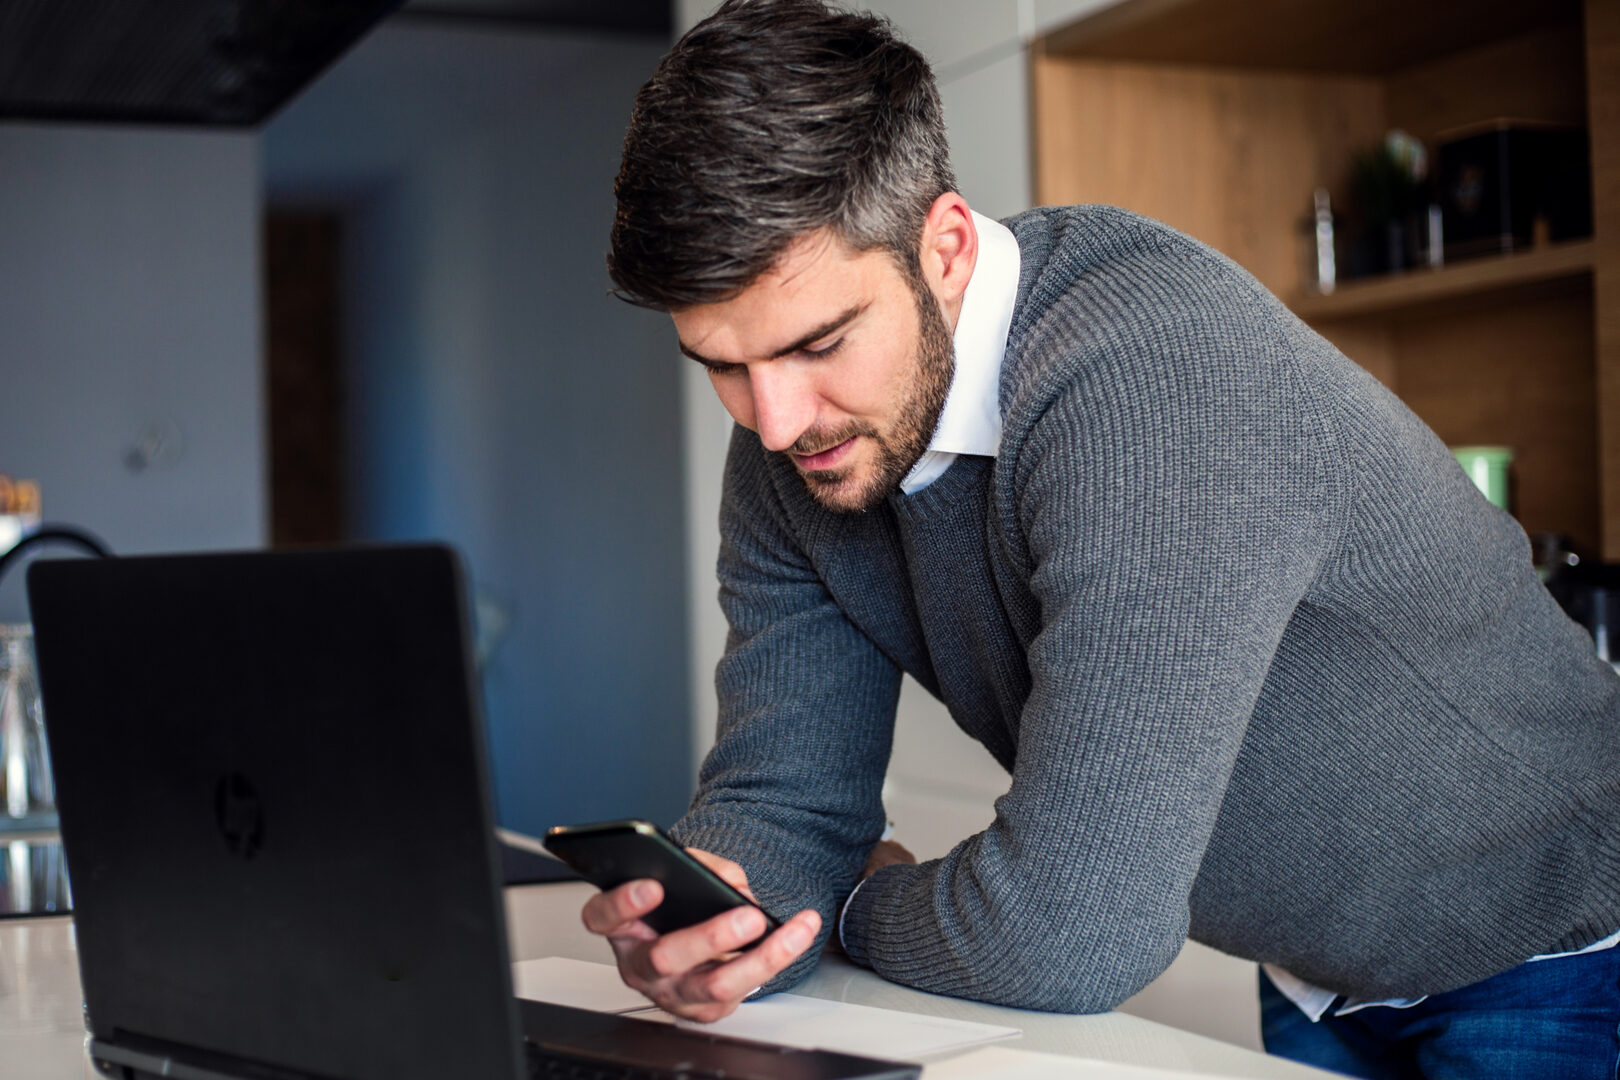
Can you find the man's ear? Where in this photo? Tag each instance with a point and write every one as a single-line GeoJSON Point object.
{"type": "Point", "coordinates": [950, 249]}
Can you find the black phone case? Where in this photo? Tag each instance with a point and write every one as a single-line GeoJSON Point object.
{"type": "Point", "coordinates": [614, 852]}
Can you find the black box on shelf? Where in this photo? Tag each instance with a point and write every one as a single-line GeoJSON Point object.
{"type": "Point", "coordinates": [1508, 185]}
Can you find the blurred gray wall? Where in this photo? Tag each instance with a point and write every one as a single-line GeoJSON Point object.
{"type": "Point", "coordinates": [499, 398]}
{"type": "Point", "coordinates": [129, 315]}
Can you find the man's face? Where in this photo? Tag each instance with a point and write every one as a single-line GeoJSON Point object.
{"type": "Point", "coordinates": [837, 359]}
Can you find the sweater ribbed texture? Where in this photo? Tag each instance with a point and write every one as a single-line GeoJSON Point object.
{"type": "Point", "coordinates": [1265, 669]}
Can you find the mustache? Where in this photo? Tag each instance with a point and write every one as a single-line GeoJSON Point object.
{"type": "Point", "coordinates": [817, 440]}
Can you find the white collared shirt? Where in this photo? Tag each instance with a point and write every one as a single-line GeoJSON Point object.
{"type": "Point", "coordinates": [970, 422]}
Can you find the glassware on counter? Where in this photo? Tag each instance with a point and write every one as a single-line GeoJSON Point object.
{"type": "Point", "coordinates": [33, 878]}
{"type": "Point", "coordinates": [27, 788]}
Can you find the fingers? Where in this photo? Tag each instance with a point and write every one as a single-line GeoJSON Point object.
{"type": "Point", "coordinates": [615, 911]}
{"type": "Point", "coordinates": [711, 990]}
{"type": "Point", "coordinates": [711, 986]}
{"type": "Point", "coordinates": [680, 951]}
{"type": "Point", "coordinates": [699, 972]}
{"type": "Point", "coordinates": [736, 979]}
{"type": "Point", "coordinates": [728, 871]}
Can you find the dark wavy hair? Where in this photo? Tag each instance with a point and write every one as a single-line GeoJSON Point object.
{"type": "Point", "coordinates": [769, 120]}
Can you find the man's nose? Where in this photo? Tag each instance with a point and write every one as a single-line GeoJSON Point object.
{"type": "Point", "coordinates": [784, 404]}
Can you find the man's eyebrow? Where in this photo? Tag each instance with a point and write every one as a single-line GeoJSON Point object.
{"type": "Point", "coordinates": [805, 339]}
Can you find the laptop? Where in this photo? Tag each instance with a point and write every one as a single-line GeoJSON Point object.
{"type": "Point", "coordinates": [274, 801]}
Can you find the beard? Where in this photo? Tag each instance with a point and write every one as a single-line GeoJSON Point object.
{"type": "Point", "coordinates": [909, 433]}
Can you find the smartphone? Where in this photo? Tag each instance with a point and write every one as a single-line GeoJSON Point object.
{"type": "Point", "coordinates": [610, 853]}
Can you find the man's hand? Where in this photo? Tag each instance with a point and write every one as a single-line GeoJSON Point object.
{"type": "Point", "coordinates": [697, 972]}
{"type": "Point", "coordinates": [886, 853]}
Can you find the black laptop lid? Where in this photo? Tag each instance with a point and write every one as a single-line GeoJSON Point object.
{"type": "Point", "coordinates": [271, 777]}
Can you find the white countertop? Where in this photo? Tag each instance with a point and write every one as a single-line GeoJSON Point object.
{"type": "Point", "coordinates": [42, 1025]}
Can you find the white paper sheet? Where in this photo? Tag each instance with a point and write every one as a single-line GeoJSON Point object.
{"type": "Point", "coordinates": [1005, 1063]}
{"type": "Point", "coordinates": [814, 1024]}
{"type": "Point", "coordinates": [579, 983]}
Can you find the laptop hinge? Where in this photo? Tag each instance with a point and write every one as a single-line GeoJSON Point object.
{"type": "Point", "coordinates": [159, 1062]}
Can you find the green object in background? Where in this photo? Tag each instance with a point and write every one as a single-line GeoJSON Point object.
{"type": "Point", "coordinates": [1487, 467]}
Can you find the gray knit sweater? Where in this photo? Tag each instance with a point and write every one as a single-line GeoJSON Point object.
{"type": "Point", "coordinates": [1264, 667]}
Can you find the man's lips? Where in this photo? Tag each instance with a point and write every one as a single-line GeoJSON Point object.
{"type": "Point", "coordinates": [826, 459]}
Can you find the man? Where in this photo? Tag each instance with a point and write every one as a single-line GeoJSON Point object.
{"type": "Point", "coordinates": [1264, 668]}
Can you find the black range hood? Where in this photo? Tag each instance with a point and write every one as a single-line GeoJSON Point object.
{"type": "Point", "coordinates": [228, 63]}
{"type": "Point", "coordinates": [231, 63]}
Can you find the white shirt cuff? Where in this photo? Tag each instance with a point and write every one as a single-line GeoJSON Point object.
{"type": "Point", "coordinates": [845, 911]}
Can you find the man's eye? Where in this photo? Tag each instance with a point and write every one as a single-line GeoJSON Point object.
{"type": "Point", "coordinates": [722, 369]}
{"type": "Point", "coordinates": [825, 350]}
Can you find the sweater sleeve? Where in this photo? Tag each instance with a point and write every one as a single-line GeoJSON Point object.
{"type": "Point", "coordinates": [792, 790]}
{"type": "Point", "coordinates": [1174, 512]}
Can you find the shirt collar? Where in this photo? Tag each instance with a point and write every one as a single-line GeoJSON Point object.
{"type": "Point", "coordinates": [970, 422]}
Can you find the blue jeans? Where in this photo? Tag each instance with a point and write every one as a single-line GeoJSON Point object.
{"type": "Point", "coordinates": [1550, 1018]}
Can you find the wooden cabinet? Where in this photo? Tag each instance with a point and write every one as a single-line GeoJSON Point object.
{"type": "Point", "coordinates": [1221, 116]}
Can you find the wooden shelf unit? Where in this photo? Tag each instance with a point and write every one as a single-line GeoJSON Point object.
{"type": "Point", "coordinates": [1499, 279]}
{"type": "Point", "coordinates": [1221, 116]}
